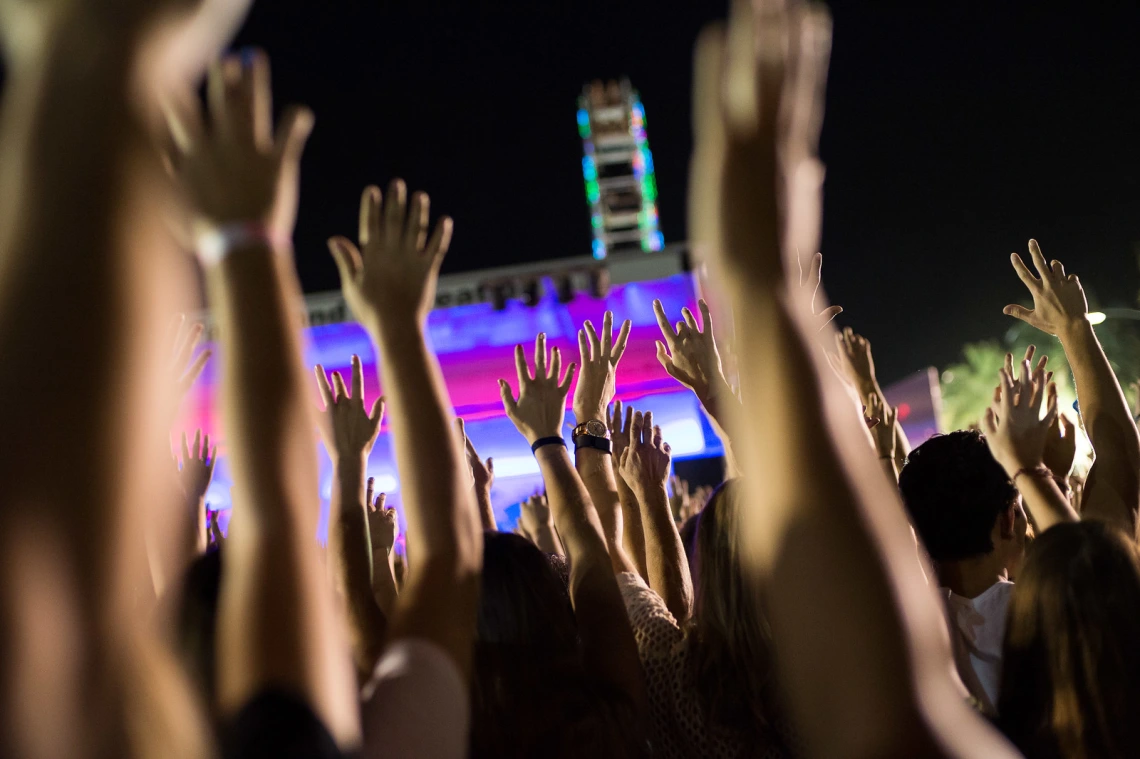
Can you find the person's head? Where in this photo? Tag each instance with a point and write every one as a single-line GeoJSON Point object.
{"type": "Point", "coordinates": [960, 500]}
{"type": "Point", "coordinates": [528, 689]}
{"type": "Point", "coordinates": [1070, 682]}
{"type": "Point", "coordinates": [731, 660]}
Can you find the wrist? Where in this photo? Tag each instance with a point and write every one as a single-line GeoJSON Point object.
{"type": "Point", "coordinates": [586, 413]}
{"type": "Point", "coordinates": [349, 465]}
{"type": "Point", "coordinates": [1075, 329]}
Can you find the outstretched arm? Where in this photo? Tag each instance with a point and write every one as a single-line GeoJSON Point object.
{"type": "Point", "coordinates": [389, 282]}
{"type": "Point", "coordinates": [1112, 489]}
{"type": "Point", "coordinates": [592, 395]}
{"type": "Point", "coordinates": [825, 527]}
{"type": "Point", "coordinates": [1016, 434]}
{"type": "Point", "coordinates": [632, 532]}
{"type": "Point", "coordinates": [349, 432]}
{"type": "Point", "coordinates": [277, 627]}
{"type": "Point", "coordinates": [609, 648]}
{"type": "Point", "coordinates": [645, 468]}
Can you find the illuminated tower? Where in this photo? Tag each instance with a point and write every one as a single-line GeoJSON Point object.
{"type": "Point", "coordinates": [621, 188]}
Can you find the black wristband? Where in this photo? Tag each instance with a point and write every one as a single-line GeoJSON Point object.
{"type": "Point", "coordinates": [544, 441]}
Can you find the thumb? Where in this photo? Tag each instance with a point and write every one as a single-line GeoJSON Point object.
{"type": "Point", "coordinates": [989, 422]}
{"type": "Point", "coordinates": [508, 398]}
{"type": "Point", "coordinates": [1018, 312]}
{"type": "Point", "coordinates": [292, 134]}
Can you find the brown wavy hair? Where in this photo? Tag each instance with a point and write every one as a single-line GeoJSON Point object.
{"type": "Point", "coordinates": [1070, 684]}
{"type": "Point", "coordinates": [731, 653]}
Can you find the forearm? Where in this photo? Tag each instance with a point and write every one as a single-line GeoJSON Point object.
{"type": "Point", "coordinates": [1108, 421]}
{"type": "Point", "coordinates": [486, 509]}
{"type": "Point", "coordinates": [350, 552]}
{"type": "Point", "coordinates": [633, 533]}
{"type": "Point", "coordinates": [667, 564]}
{"type": "Point", "coordinates": [444, 539]}
{"type": "Point", "coordinates": [277, 623]}
{"type": "Point", "coordinates": [1046, 504]}
{"type": "Point", "coordinates": [546, 540]}
{"type": "Point", "coordinates": [384, 590]}
{"type": "Point", "coordinates": [821, 512]}
{"type": "Point", "coordinates": [438, 503]}
{"type": "Point", "coordinates": [595, 468]}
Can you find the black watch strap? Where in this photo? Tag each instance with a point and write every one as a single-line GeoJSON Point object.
{"type": "Point", "coordinates": [543, 441]}
{"type": "Point", "coordinates": [602, 444]}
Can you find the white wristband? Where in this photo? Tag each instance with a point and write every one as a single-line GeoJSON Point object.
{"type": "Point", "coordinates": [215, 244]}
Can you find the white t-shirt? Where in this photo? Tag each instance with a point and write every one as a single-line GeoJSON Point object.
{"type": "Point", "coordinates": [416, 704]}
{"type": "Point", "coordinates": [977, 631]}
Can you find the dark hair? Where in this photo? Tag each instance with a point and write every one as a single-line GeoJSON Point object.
{"type": "Point", "coordinates": [955, 492]}
{"type": "Point", "coordinates": [529, 693]}
{"type": "Point", "coordinates": [1070, 681]}
{"type": "Point", "coordinates": [688, 533]}
{"type": "Point", "coordinates": [731, 657]}
{"type": "Point", "coordinates": [197, 620]}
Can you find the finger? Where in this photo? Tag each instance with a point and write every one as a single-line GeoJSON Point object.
{"type": "Point", "coordinates": [1050, 406]}
{"type": "Point", "coordinates": [369, 485]}
{"type": "Point", "coordinates": [1019, 312]}
{"type": "Point", "coordinates": [416, 230]}
{"type": "Point", "coordinates": [555, 364]}
{"type": "Point", "coordinates": [195, 371]}
{"type": "Point", "coordinates": [261, 100]}
{"type": "Point", "coordinates": [627, 428]}
{"type": "Point", "coordinates": [521, 368]}
{"type": "Point", "coordinates": [657, 438]}
{"type": "Point", "coordinates": [989, 422]}
{"type": "Point", "coordinates": [185, 450]}
{"type": "Point", "coordinates": [622, 341]}
{"type": "Point", "coordinates": [196, 446]}
{"type": "Point", "coordinates": [395, 213]}
{"type": "Point", "coordinates": [706, 317]}
{"type": "Point", "coordinates": [615, 417]}
{"type": "Point", "coordinates": [184, 348]}
{"type": "Point", "coordinates": [592, 337]}
{"type": "Point", "coordinates": [540, 356]}
{"type": "Point", "coordinates": [440, 242]}
{"type": "Point", "coordinates": [1009, 363]}
{"type": "Point", "coordinates": [647, 428]}
{"type": "Point", "coordinates": [1023, 273]}
{"type": "Point", "coordinates": [338, 386]}
{"type": "Point", "coordinates": [826, 315]}
{"type": "Point", "coordinates": [1058, 269]}
{"type": "Point", "coordinates": [357, 380]}
{"type": "Point", "coordinates": [667, 449]}
{"type": "Point", "coordinates": [323, 385]}
{"type": "Point", "coordinates": [1041, 362]}
{"type": "Point", "coordinates": [564, 386]}
{"type": "Point", "coordinates": [1039, 261]}
{"type": "Point", "coordinates": [1068, 425]}
{"type": "Point", "coordinates": [509, 404]}
{"type": "Point", "coordinates": [347, 258]}
{"type": "Point", "coordinates": [379, 504]}
{"type": "Point", "coordinates": [239, 101]}
{"type": "Point", "coordinates": [205, 448]}
{"type": "Point", "coordinates": [213, 460]}
{"type": "Point", "coordinates": [368, 227]}
{"type": "Point", "coordinates": [635, 429]}
{"type": "Point", "coordinates": [461, 432]}
{"type": "Point", "coordinates": [1029, 353]}
{"type": "Point", "coordinates": [690, 320]}
{"type": "Point", "coordinates": [491, 466]}
{"type": "Point", "coordinates": [607, 333]}
{"type": "Point", "coordinates": [1006, 393]}
{"type": "Point", "coordinates": [216, 96]}
{"type": "Point", "coordinates": [377, 415]}
{"type": "Point", "coordinates": [667, 332]}
{"type": "Point", "coordinates": [682, 328]}
{"type": "Point", "coordinates": [583, 347]}
{"type": "Point", "coordinates": [292, 135]}
{"type": "Point", "coordinates": [815, 272]}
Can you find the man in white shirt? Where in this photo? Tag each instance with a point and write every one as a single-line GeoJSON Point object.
{"type": "Point", "coordinates": [972, 522]}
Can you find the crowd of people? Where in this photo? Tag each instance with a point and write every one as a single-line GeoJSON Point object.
{"type": "Point", "coordinates": [838, 595]}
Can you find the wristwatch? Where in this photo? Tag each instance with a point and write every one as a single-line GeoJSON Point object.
{"type": "Point", "coordinates": [592, 434]}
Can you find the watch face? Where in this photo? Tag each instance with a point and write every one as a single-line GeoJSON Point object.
{"type": "Point", "coordinates": [596, 428]}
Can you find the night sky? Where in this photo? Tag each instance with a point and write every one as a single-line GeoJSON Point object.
{"type": "Point", "coordinates": [951, 137]}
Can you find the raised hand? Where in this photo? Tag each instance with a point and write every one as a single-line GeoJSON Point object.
{"type": "Point", "coordinates": [1016, 432]}
{"type": "Point", "coordinates": [184, 372]}
{"type": "Point", "coordinates": [535, 516]}
{"type": "Point", "coordinates": [883, 433]}
{"type": "Point", "coordinates": [541, 405]}
{"type": "Point", "coordinates": [382, 525]}
{"type": "Point", "coordinates": [810, 284]}
{"type": "Point", "coordinates": [680, 501]}
{"type": "Point", "coordinates": [645, 463]}
{"type": "Point", "coordinates": [482, 472]}
{"type": "Point", "coordinates": [689, 354]}
{"type": "Point", "coordinates": [217, 537]}
{"type": "Point", "coordinates": [238, 177]}
{"type": "Point", "coordinates": [348, 429]}
{"type": "Point", "coordinates": [597, 379]}
{"type": "Point", "coordinates": [858, 364]}
{"type": "Point", "coordinates": [394, 272]}
{"type": "Point", "coordinates": [620, 429]}
{"type": "Point", "coordinates": [1060, 447]}
{"type": "Point", "coordinates": [1059, 302]}
{"type": "Point", "coordinates": [197, 470]}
